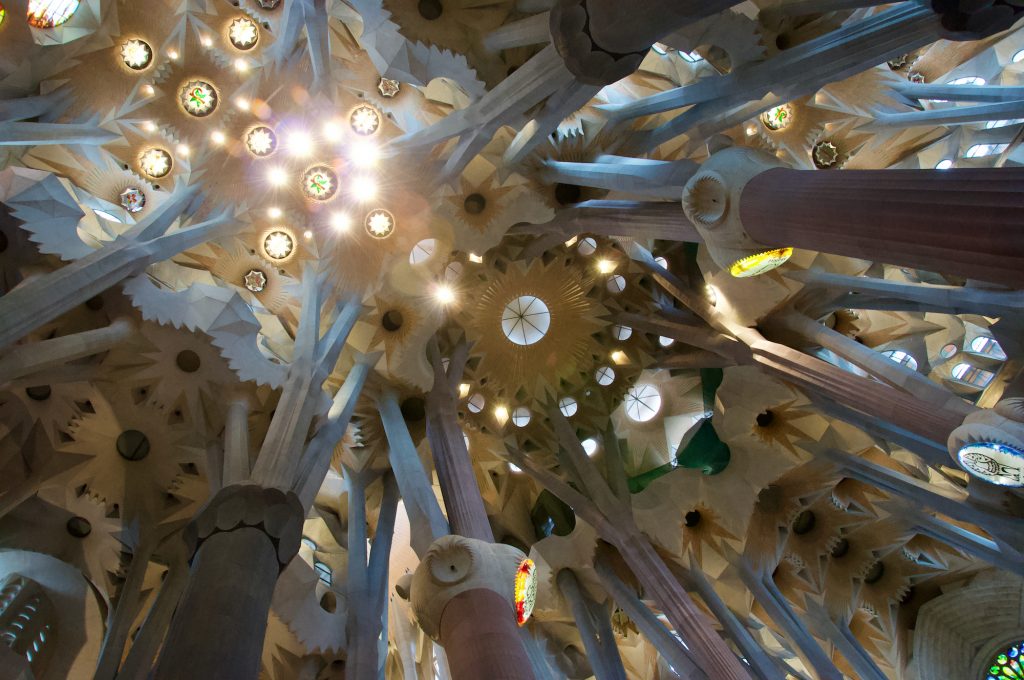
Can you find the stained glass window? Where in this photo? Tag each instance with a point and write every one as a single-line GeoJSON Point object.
{"type": "Point", "coordinates": [198, 98]}
{"type": "Point", "coordinates": [901, 357]}
{"type": "Point", "coordinates": [1007, 664]}
{"type": "Point", "coordinates": [320, 183]}
{"type": "Point", "coordinates": [778, 117]}
{"type": "Point", "coordinates": [988, 346]}
{"type": "Point", "coordinates": [50, 13]}
{"type": "Point", "coordinates": [3, 15]}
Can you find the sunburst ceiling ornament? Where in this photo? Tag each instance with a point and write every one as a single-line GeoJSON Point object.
{"type": "Point", "coordinates": [255, 280]}
{"type": "Point", "coordinates": [388, 88]}
{"type": "Point", "coordinates": [133, 200]}
{"type": "Point", "coordinates": [155, 162]}
{"type": "Point", "coordinates": [136, 54]}
{"type": "Point", "coordinates": [50, 13]}
{"type": "Point", "coordinates": [198, 98]}
{"type": "Point", "coordinates": [364, 120]}
{"type": "Point", "coordinates": [380, 223]}
{"type": "Point", "coordinates": [278, 245]}
{"type": "Point", "coordinates": [243, 33]}
{"type": "Point", "coordinates": [261, 141]}
{"type": "Point", "coordinates": [320, 183]}
{"type": "Point", "coordinates": [525, 320]}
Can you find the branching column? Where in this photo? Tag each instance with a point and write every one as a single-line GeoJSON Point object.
{"type": "Point", "coordinates": [468, 517]}
{"type": "Point", "coordinates": [601, 650]}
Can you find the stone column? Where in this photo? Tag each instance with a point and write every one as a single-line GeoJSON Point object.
{"type": "Point", "coordinates": [602, 652]}
{"type": "Point", "coordinates": [23, 360]}
{"type": "Point", "coordinates": [243, 540]}
{"type": "Point", "coordinates": [657, 634]}
{"type": "Point", "coordinates": [875, 363]}
{"type": "Point", "coordinates": [960, 221]}
{"type": "Point", "coordinates": [425, 517]}
{"type": "Point", "coordinates": [42, 299]}
{"type": "Point", "coordinates": [146, 645]}
{"type": "Point", "coordinates": [128, 602]}
{"type": "Point", "coordinates": [767, 594]}
{"type": "Point", "coordinates": [462, 501]}
{"type": "Point", "coordinates": [603, 41]}
{"type": "Point", "coordinates": [463, 595]}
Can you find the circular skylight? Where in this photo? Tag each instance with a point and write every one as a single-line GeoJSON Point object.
{"type": "Point", "coordinates": [642, 402]}
{"type": "Point", "coordinates": [605, 376]}
{"type": "Point", "coordinates": [616, 284]}
{"type": "Point", "coordinates": [587, 246]}
{"type": "Point", "coordinates": [476, 403]}
{"type": "Point", "coordinates": [590, 446]}
{"type": "Point", "coordinates": [525, 320]}
{"type": "Point", "coordinates": [521, 416]}
{"type": "Point", "coordinates": [568, 406]}
{"type": "Point", "coordinates": [622, 332]}
{"type": "Point", "coordinates": [423, 251]}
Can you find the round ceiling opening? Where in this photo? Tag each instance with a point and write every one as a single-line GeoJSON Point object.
{"type": "Point", "coordinates": [525, 320]}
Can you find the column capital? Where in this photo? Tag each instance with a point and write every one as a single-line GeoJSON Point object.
{"type": "Point", "coordinates": [591, 63]}
{"type": "Point", "coordinates": [455, 565]}
{"type": "Point", "coordinates": [276, 513]}
{"type": "Point", "coordinates": [711, 200]}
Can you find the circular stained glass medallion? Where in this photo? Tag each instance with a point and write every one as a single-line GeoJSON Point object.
{"type": "Point", "coordinates": [136, 54]}
{"type": "Point", "coordinates": [1007, 665]}
{"type": "Point", "coordinates": [198, 98]}
{"type": "Point", "coordinates": [993, 462]}
{"type": "Point", "coordinates": [320, 183]}
{"type": "Point", "coordinates": [525, 590]}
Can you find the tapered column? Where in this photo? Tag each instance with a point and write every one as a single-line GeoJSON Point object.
{"type": "Point", "coordinates": [147, 643]}
{"type": "Point", "coordinates": [23, 360]}
{"type": "Point", "coordinates": [767, 594]}
{"type": "Point", "coordinates": [657, 634]}
{"type": "Point", "coordinates": [839, 635]}
{"type": "Point", "coordinates": [969, 542]}
{"type": "Point", "coordinates": [425, 517]}
{"type": "Point", "coordinates": [875, 363]}
{"type": "Point", "coordinates": [863, 292]}
{"type": "Point", "coordinates": [462, 501]}
{"type": "Point", "coordinates": [128, 603]}
{"type": "Point", "coordinates": [601, 651]}
{"type": "Point", "coordinates": [367, 582]}
{"type": "Point", "coordinates": [760, 663]}
{"type": "Point", "coordinates": [964, 222]}
{"type": "Point", "coordinates": [923, 495]}
{"type": "Point", "coordinates": [244, 538]}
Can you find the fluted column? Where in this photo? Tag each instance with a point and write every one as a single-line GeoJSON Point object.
{"type": "Point", "coordinates": [961, 221]}
{"type": "Point", "coordinates": [128, 602]}
{"type": "Point", "coordinates": [243, 539]}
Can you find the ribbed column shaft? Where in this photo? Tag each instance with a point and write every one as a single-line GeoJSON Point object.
{"type": "Point", "coordinates": [964, 222]}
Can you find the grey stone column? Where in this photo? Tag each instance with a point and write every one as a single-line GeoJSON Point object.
{"type": "Point", "coordinates": [244, 538]}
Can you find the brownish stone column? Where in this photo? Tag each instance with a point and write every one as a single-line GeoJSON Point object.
{"type": "Point", "coordinates": [243, 539]}
{"type": "Point", "coordinates": [965, 222]}
{"type": "Point", "coordinates": [476, 629]}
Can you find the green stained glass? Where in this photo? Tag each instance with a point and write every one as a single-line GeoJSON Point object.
{"type": "Point", "coordinates": [1008, 664]}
